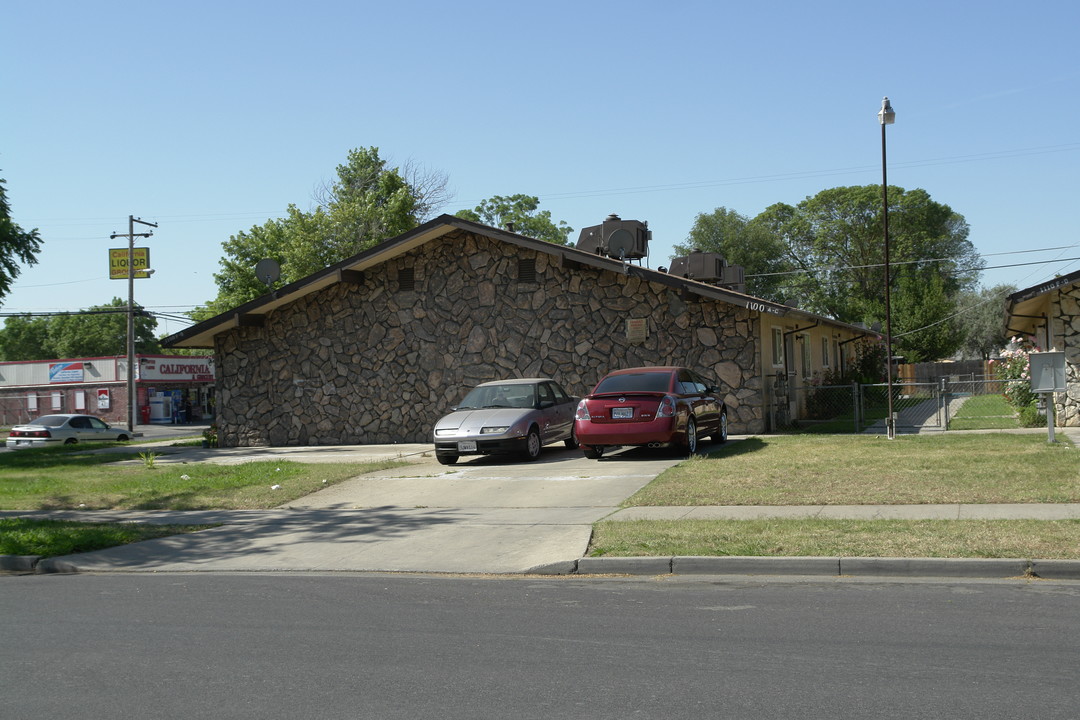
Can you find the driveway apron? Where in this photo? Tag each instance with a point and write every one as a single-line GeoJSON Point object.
{"type": "Point", "coordinates": [483, 515]}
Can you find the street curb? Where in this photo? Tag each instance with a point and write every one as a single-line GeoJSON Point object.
{"type": "Point", "coordinates": [19, 563]}
{"type": "Point", "coordinates": [818, 567]}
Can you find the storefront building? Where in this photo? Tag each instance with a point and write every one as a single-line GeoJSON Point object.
{"type": "Point", "coordinates": [169, 389]}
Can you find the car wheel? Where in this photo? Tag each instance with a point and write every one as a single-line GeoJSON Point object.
{"type": "Point", "coordinates": [571, 442]}
{"type": "Point", "coordinates": [593, 452]}
{"type": "Point", "coordinates": [532, 444]}
{"type": "Point", "coordinates": [446, 458]}
{"type": "Point", "coordinates": [122, 438]}
{"type": "Point", "coordinates": [71, 441]}
{"type": "Point", "coordinates": [690, 445]}
{"type": "Point", "coordinates": [721, 434]}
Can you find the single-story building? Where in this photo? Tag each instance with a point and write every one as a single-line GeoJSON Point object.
{"type": "Point", "coordinates": [165, 385]}
{"type": "Point", "coordinates": [374, 349]}
{"type": "Point", "coordinates": [1050, 314]}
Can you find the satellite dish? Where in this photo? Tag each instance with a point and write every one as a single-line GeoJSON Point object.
{"type": "Point", "coordinates": [268, 271]}
{"type": "Point", "coordinates": [621, 244]}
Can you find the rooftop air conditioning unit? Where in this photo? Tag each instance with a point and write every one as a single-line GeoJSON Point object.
{"type": "Point", "coordinates": [734, 278]}
{"type": "Point", "coordinates": [617, 238]}
{"type": "Point", "coordinates": [698, 265]}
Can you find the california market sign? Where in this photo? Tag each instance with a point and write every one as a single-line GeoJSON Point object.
{"type": "Point", "coordinates": [174, 369]}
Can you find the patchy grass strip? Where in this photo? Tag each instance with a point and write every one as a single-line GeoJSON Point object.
{"type": "Point", "coordinates": [92, 482]}
{"type": "Point", "coordinates": [51, 538]}
{"type": "Point", "coordinates": [1042, 539]}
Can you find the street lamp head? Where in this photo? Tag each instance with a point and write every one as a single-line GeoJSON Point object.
{"type": "Point", "coordinates": [886, 115]}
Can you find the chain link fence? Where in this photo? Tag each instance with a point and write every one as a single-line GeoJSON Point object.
{"type": "Point", "coordinates": [952, 403]}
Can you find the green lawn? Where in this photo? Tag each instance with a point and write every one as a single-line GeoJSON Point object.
{"type": "Point", "coordinates": [1057, 539]}
{"type": "Point", "coordinates": [984, 412]}
{"type": "Point", "coordinates": [69, 478]}
{"type": "Point", "coordinates": [870, 470]}
{"type": "Point", "coordinates": [52, 479]}
{"type": "Point", "coordinates": [49, 538]}
{"type": "Point", "coordinates": [858, 470]}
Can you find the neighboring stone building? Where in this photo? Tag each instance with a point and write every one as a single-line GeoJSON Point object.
{"type": "Point", "coordinates": [375, 348]}
{"type": "Point", "coordinates": [1050, 313]}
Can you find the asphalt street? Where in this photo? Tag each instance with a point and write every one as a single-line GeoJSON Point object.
{"type": "Point", "coordinates": [316, 645]}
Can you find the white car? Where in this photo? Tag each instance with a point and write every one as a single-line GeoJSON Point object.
{"type": "Point", "coordinates": [67, 429]}
{"type": "Point", "coordinates": [507, 417]}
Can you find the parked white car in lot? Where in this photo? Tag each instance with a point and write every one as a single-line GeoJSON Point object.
{"type": "Point", "coordinates": [66, 429]}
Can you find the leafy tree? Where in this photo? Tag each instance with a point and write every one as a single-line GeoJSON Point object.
{"type": "Point", "coordinates": [741, 241]}
{"type": "Point", "coordinates": [521, 211]}
{"type": "Point", "coordinates": [836, 238]}
{"type": "Point", "coordinates": [982, 315]}
{"type": "Point", "coordinates": [101, 331]}
{"type": "Point", "coordinates": [16, 245]}
{"type": "Point", "coordinates": [367, 203]}
{"type": "Point", "coordinates": [25, 337]}
{"type": "Point", "coordinates": [97, 331]}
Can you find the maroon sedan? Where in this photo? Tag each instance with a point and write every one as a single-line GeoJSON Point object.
{"type": "Point", "coordinates": [651, 406]}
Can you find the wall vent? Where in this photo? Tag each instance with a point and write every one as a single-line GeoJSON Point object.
{"type": "Point", "coordinates": [406, 279]}
{"type": "Point", "coordinates": [526, 271]}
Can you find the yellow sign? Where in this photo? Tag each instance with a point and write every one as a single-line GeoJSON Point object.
{"type": "Point", "coordinates": [118, 263]}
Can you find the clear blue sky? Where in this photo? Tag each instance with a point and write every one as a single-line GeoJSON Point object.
{"type": "Point", "coordinates": [211, 117]}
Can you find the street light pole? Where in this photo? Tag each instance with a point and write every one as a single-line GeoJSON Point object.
{"type": "Point", "coordinates": [887, 116]}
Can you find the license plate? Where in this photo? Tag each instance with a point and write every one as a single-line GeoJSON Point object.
{"type": "Point", "coordinates": [466, 446]}
{"type": "Point", "coordinates": [622, 412]}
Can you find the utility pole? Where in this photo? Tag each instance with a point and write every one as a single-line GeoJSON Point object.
{"type": "Point", "coordinates": [131, 235]}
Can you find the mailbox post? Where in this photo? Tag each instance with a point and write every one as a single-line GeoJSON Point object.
{"type": "Point", "coordinates": [1048, 376]}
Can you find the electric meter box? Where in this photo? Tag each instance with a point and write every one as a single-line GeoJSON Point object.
{"type": "Point", "coordinates": [1047, 371]}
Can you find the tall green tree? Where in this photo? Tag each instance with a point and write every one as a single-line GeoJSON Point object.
{"type": "Point", "coordinates": [522, 211]}
{"type": "Point", "coordinates": [98, 331]}
{"type": "Point", "coordinates": [16, 245]}
{"type": "Point", "coordinates": [25, 337]}
{"type": "Point", "coordinates": [745, 242]}
{"type": "Point", "coordinates": [101, 331]}
{"type": "Point", "coordinates": [836, 239]}
{"type": "Point", "coordinates": [368, 202]}
{"type": "Point", "coordinates": [982, 315]}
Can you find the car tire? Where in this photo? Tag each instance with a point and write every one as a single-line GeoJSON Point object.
{"type": "Point", "coordinates": [571, 442]}
{"type": "Point", "coordinates": [721, 434]}
{"type": "Point", "coordinates": [71, 441]}
{"type": "Point", "coordinates": [593, 452]}
{"type": "Point", "coordinates": [690, 444]}
{"type": "Point", "coordinates": [122, 438]}
{"type": "Point", "coordinates": [533, 445]}
{"type": "Point", "coordinates": [446, 458]}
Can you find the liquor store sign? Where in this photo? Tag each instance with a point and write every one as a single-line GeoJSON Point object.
{"type": "Point", "coordinates": [118, 263]}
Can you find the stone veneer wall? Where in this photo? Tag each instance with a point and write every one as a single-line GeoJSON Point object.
{"type": "Point", "coordinates": [372, 363]}
{"type": "Point", "coordinates": [1066, 311]}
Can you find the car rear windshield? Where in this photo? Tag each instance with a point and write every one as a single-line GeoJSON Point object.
{"type": "Point", "coordinates": [49, 420]}
{"type": "Point", "coordinates": [635, 382]}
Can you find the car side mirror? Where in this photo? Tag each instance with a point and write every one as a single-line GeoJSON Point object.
{"type": "Point", "coordinates": [546, 404]}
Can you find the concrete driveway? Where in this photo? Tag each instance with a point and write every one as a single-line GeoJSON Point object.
{"type": "Point", "coordinates": [483, 515]}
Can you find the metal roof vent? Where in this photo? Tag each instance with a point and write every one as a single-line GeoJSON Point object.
{"type": "Point", "coordinates": [616, 238]}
